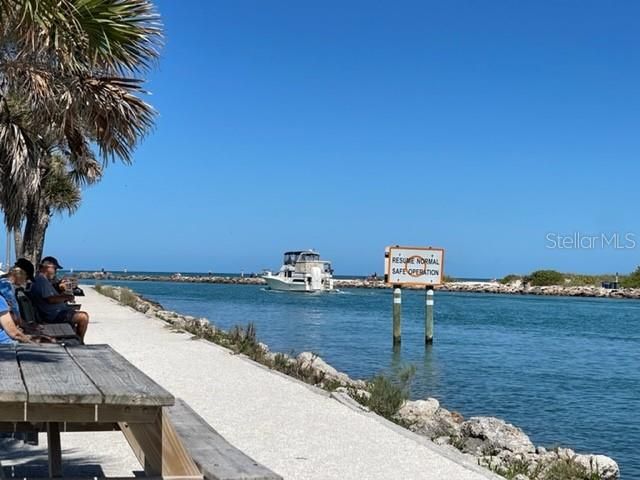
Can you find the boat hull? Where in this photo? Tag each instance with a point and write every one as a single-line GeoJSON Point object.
{"type": "Point", "coordinates": [275, 283]}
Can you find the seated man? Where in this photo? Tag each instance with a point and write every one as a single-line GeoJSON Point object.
{"type": "Point", "coordinates": [53, 305]}
{"type": "Point", "coordinates": [12, 287]}
{"type": "Point", "coordinates": [16, 277]}
{"type": "Point", "coordinates": [9, 332]}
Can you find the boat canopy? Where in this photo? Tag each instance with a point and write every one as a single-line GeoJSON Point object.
{"type": "Point", "coordinates": [291, 258]}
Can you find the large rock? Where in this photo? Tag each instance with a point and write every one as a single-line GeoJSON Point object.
{"type": "Point", "coordinates": [427, 418]}
{"type": "Point", "coordinates": [310, 360]}
{"type": "Point", "coordinates": [606, 467]}
{"type": "Point", "coordinates": [415, 410]}
{"type": "Point", "coordinates": [496, 434]}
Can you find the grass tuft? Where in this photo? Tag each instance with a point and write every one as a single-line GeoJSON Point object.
{"type": "Point", "coordinates": [389, 394]}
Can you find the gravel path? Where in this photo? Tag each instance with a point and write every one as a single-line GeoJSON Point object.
{"type": "Point", "coordinates": [295, 430]}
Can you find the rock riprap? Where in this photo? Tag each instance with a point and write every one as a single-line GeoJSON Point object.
{"type": "Point", "coordinates": [515, 288]}
{"type": "Point", "coordinates": [488, 433]}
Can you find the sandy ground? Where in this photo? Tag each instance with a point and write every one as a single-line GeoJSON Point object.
{"type": "Point", "coordinates": [295, 430]}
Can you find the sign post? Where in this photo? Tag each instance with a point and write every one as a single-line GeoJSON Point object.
{"type": "Point", "coordinates": [428, 317]}
{"type": "Point", "coordinates": [413, 266]}
{"type": "Point", "coordinates": [397, 314]}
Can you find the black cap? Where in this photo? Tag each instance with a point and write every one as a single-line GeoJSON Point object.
{"type": "Point", "coordinates": [27, 266]}
{"type": "Point", "coordinates": [51, 260]}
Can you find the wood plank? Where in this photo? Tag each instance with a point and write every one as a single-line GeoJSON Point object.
{"type": "Point", "coordinates": [83, 413]}
{"type": "Point", "coordinates": [60, 413]}
{"type": "Point", "coordinates": [160, 450]}
{"type": "Point", "coordinates": [129, 414]}
{"type": "Point", "coordinates": [58, 330]}
{"type": "Point", "coordinates": [11, 385]}
{"type": "Point", "coordinates": [52, 377]}
{"type": "Point", "coordinates": [12, 412]}
{"type": "Point", "coordinates": [65, 427]}
{"type": "Point", "coordinates": [216, 458]}
{"type": "Point", "coordinates": [120, 382]}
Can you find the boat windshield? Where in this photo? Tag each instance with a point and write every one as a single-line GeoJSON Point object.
{"type": "Point", "coordinates": [290, 258]}
{"type": "Point", "coordinates": [309, 257]}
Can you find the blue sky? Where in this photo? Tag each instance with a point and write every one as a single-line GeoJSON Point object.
{"type": "Point", "coordinates": [480, 127]}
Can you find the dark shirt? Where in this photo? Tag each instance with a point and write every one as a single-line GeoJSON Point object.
{"type": "Point", "coordinates": [41, 289]}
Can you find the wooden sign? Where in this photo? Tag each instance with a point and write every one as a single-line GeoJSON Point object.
{"type": "Point", "coordinates": [420, 266]}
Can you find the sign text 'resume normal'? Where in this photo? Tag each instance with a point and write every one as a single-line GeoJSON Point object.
{"type": "Point", "coordinates": [414, 265]}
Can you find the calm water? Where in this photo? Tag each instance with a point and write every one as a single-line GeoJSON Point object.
{"type": "Point", "coordinates": [566, 370]}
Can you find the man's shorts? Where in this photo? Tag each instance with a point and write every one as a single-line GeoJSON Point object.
{"type": "Point", "coordinates": [65, 316]}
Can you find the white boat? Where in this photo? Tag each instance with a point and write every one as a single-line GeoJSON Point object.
{"type": "Point", "coordinates": [302, 271]}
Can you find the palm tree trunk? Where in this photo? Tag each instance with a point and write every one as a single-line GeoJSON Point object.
{"type": "Point", "coordinates": [7, 259]}
{"type": "Point", "coordinates": [17, 241]}
{"type": "Point", "coordinates": [35, 229]}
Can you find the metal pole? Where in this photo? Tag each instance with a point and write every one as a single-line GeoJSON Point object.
{"type": "Point", "coordinates": [397, 314]}
{"type": "Point", "coordinates": [428, 317]}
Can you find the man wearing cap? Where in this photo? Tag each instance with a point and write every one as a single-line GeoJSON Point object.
{"type": "Point", "coordinates": [53, 305]}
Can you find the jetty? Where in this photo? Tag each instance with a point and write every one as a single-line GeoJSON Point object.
{"type": "Point", "coordinates": [295, 430]}
{"type": "Point", "coordinates": [491, 287]}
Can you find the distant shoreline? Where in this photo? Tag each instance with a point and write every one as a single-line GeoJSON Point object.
{"type": "Point", "coordinates": [457, 286]}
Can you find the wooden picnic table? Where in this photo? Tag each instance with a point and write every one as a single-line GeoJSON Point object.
{"type": "Point", "coordinates": [89, 388]}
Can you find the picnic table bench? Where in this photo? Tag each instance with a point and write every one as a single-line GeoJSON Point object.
{"type": "Point", "coordinates": [56, 388]}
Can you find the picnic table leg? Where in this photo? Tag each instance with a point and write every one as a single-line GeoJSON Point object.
{"type": "Point", "coordinates": [55, 450]}
{"type": "Point", "coordinates": [159, 449]}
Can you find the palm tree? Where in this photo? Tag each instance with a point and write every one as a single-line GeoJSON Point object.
{"type": "Point", "coordinates": [71, 75]}
{"type": "Point", "coordinates": [60, 192]}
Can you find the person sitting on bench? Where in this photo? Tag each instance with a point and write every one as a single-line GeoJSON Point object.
{"type": "Point", "coordinates": [53, 305]}
{"type": "Point", "coordinates": [9, 331]}
{"type": "Point", "coordinates": [16, 278]}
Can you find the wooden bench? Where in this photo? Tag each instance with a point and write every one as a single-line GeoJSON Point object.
{"type": "Point", "coordinates": [61, 332]}
{"type": "Point", "coordinates": [216, 458]}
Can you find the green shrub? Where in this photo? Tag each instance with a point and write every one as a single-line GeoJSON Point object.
{"type": "Point", "coordinates": [128, 298]}
{"type": "Point", "coordinates": [518, 466]}
{"type": "Point", "coordinates": [632, 280]}
{"type": "Point", "coordinates": [569, 469]}
{"type": "Point", "coordinates": [578, 280]}
{"type": "Point", "coordinates": [512, 277]}
{"type": "Point", "coordinates": [541, 278]}
{"type": "Point", "coordinates": [387, 395]}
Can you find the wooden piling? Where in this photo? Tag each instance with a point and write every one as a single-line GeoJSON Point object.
{"type": "Point", "coordinates": [428, 317]}
{"type": "Point", "coordinates": [397, 314]}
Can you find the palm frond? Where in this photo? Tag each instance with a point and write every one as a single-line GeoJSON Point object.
{"type": "Point", "coordinates": [114, 35]}
{"type": "Point", "coordinates": [111, 114]}
{"type": "Point", "coordinates": [85, 171]}
{"type": "Point", "coordinates": [19, 170]}
{"type": "Point", "coordinates": [59, 190]}
{"type": "Point", "coordinates": [125, 35]}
